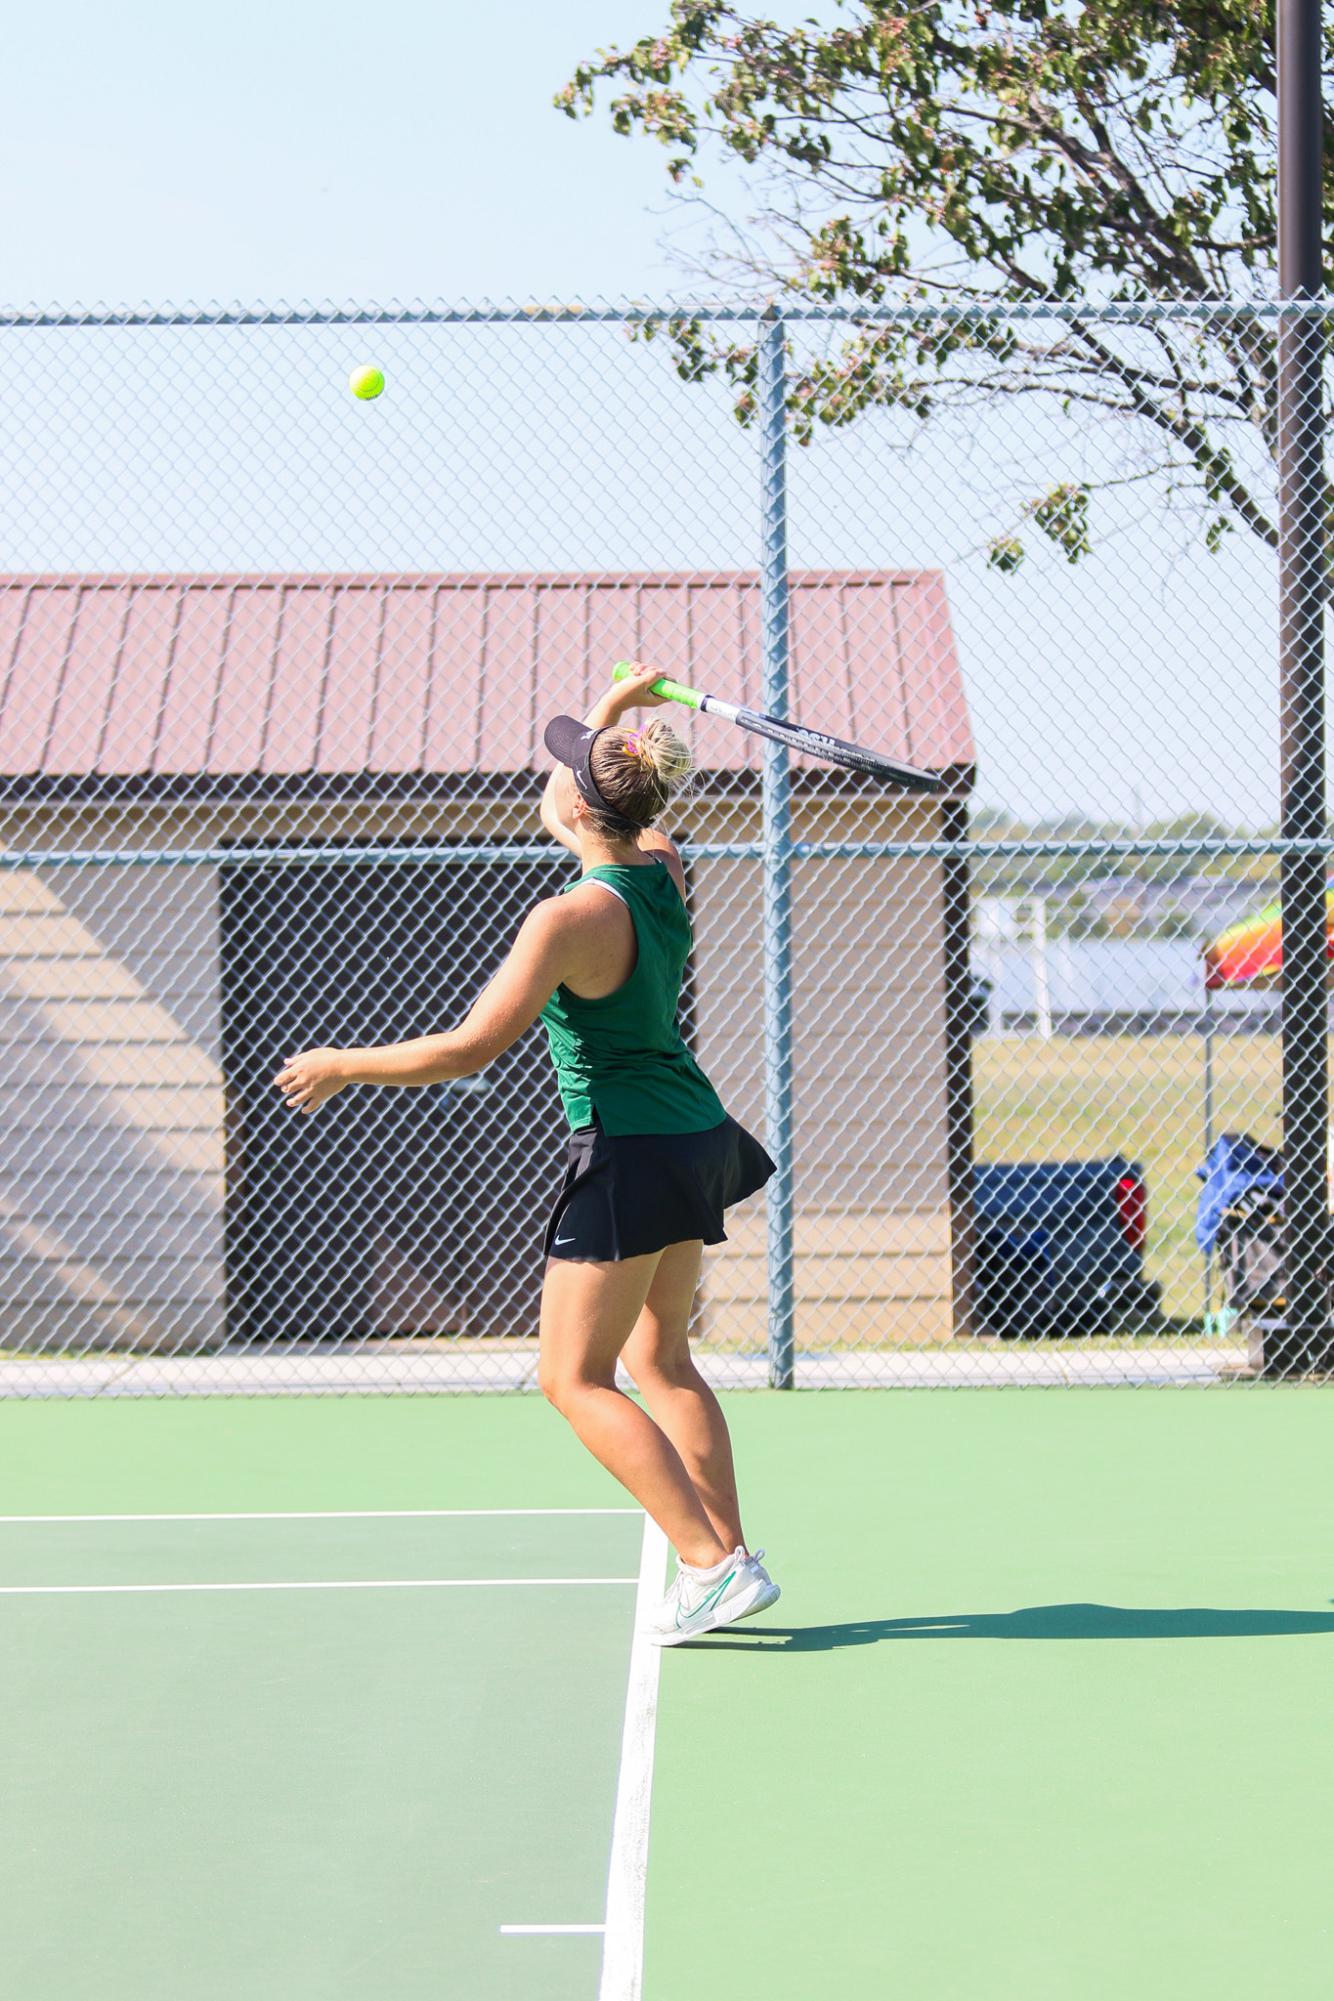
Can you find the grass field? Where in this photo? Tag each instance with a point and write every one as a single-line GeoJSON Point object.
{"type": "Point", "coordinates": [1081, 1098]}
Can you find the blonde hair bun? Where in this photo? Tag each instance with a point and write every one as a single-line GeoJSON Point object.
{"type": "Point", "coordinates": [638, 770]}
{"type": "Point", "coordinates": [663, 753]}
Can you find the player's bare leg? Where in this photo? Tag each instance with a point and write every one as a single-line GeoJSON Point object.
{"type": "Point", "coordinates": [658, 1356]}
{"type": "Point", "coordinates": [588, 1311]}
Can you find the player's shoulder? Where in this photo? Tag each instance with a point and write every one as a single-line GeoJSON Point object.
{"type": "Point", "coordinates": [560, 930]}
{"type": "Point", "coordinates": [570, 911]}
{"type": "Point", "coordinates": [664, 850]}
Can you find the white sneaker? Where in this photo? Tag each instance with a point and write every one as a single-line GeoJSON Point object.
{"type": "Point", "coordinates": [753, 1563]}
{"type": "Point", "coordinates": [702, 1600]}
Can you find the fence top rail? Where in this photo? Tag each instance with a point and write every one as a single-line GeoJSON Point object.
{"type": "Point", "coordinates": [442, 855]}
{"type": "Point", "coordinates": [638, 312]}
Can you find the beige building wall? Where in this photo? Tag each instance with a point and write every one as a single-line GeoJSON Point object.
{"type": "Point", "coordinates": [111, 1110]}
{"type": "Point", "coordinates": [112, 1100]}
{"type": "Point", "coordinates": [872, 1227]}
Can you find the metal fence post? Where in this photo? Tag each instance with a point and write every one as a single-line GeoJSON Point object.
{"type": "Point", "coordinates": [1301, 698]}
{"type": "Point", "coordinates": [777, 841]}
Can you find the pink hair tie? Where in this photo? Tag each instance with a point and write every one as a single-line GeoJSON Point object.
{"type": "Point", "coordinates": [633, 743]}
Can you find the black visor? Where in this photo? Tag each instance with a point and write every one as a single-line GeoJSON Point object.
{"type": "Point", "coordinates": [571, 743]}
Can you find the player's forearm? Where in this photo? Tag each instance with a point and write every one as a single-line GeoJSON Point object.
{"type": "Point", "coordinates": [610, 707]}
{"type": "Point", "coordinates": [427, 1059]}
{"type": "Point", "coordinates": [549, 811]}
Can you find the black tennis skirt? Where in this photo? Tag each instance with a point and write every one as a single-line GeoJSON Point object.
{"type": "Point", "coordinates": [625, 1195]}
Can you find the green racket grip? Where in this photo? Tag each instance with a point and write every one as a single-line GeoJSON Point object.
{"type": "Point", "coordinates": [674, 692]}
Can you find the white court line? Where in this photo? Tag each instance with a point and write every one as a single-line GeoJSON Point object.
{"type": "Point", "coordinates": [310, 1584]}
{"type": "Point", "coordinates": [328, 1515]}
{"type": "Point", "coordinates": [546, 1930]}
{"type": "Point", "coordinates": [623, 1949]}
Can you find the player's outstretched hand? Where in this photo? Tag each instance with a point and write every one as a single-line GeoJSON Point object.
{"type": "Point", "coordinates": [635, 690]}
{"type": "Point", "coordinates": [311, 1079]}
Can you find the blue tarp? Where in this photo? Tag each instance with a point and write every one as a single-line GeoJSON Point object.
{"type": "Point", "coordinates": [1236, 1165]}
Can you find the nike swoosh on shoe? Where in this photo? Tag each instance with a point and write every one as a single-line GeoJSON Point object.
{"type": "Point", "coordinates": [704, 1605]}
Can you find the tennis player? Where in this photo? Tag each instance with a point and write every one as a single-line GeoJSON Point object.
{"type": "Point", "coordinates": [654, 1158]}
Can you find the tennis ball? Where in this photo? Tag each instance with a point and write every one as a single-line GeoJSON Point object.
{"type": "Point", "coordinates": [366, 382]}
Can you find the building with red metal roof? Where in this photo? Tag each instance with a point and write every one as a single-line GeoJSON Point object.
{"type": "Point", "coordinates": [211, 681]}
{"type": "Point", "coordinates": [212, 721]}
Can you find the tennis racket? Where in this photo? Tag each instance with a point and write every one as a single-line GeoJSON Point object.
{"type": "Point", "coordinates": [832, 749]}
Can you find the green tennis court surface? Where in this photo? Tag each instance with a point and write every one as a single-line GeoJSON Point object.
{"type": "Point", "coordinates": [1041, 1713]}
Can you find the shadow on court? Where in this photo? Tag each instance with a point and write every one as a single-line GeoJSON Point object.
{"type": "Point", "coordinates": [1031, 1622]}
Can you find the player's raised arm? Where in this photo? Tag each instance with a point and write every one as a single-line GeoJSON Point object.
{"type": "Point", "coordinates": [632, 691]}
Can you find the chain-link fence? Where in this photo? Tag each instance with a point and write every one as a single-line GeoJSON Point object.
{"type": "Point", "coordinates": [275, 667]}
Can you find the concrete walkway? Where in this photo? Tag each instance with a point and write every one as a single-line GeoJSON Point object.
{"type": "Point", "coordinates": [402, 1367]}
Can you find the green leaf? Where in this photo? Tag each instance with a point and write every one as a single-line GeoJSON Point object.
{"type": "Point", "coordinates": [995, 150]}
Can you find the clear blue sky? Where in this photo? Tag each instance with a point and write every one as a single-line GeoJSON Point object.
{"type": "Point", "coordinates": [294, 149]}
{"type": "Point", "coordinates": [379, 152]}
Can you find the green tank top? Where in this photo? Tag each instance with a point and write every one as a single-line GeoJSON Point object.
{"type": "Point", "coordinates": [622, 1056]}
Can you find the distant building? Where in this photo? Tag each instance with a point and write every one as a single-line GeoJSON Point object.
{"type": "Point", "coordinates": [153, 1191]}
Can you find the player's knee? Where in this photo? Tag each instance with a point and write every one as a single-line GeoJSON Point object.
{"type": "Point", "coordinates": [552, 1382]}
{"type": "Point", "coordinates": [673, 1368]}
{"type": "Point", "coordinates": [562, 1386]}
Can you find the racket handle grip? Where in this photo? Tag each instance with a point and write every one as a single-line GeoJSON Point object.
{"type": "Point", "coordinates": [673, 690]}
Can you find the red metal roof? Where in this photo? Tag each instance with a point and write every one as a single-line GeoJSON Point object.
{"type": "Point", "coordinates": [220, 675]}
